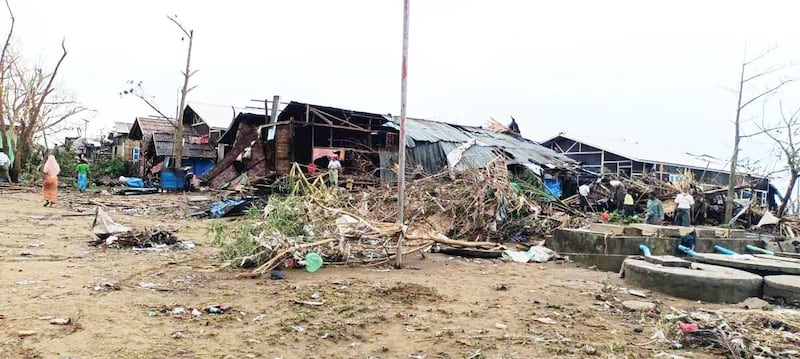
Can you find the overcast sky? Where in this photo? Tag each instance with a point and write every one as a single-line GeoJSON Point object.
{"type": "Point", "coordinates": [657, 73]}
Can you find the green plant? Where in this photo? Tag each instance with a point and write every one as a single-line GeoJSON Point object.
{"type": "Point", "coordinates": [113, 168]}
{"type": "Point", "coordinates": [614, 217]}
{"type": "Point", "coordinates": [285, 215]}
{"type": "Point", "coordinates": [216, 230]}
{"type": "Point", "coordinates": [243, 243]}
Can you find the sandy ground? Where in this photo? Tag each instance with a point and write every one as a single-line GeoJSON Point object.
{"type": "Point", "coordinates": [439, 307]}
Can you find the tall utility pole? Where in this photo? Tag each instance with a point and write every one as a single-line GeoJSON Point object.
{"type": "Point", "coordinates": [401, 175]}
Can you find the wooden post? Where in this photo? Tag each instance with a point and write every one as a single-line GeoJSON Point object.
{"type": "Point", "coordinates": [401, 177]}
{"type": "Point", "coordinates": [274, 118]}
{"type": "Point", "coordinates": [602, 162]}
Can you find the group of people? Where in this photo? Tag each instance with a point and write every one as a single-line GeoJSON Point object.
{"type": "Point", "coordinates": [623, 201]}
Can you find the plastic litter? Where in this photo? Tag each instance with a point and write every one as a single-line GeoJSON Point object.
{"type": "Point", "coordinates": [313, 262]}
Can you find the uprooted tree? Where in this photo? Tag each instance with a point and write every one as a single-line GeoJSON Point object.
{"type": "Point", "coordinates": [744, 81]}
{"type": "Point", "coordinates": [32, 102]}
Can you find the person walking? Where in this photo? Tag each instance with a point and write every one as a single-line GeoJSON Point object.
{"type": "Point", "coordinates": [655, 210]}
{"type": "Point", "coordinates": [683, 202]}
{"type": "Point", "coordinates": [50, 188]}
{"type": "Point", "coordinates": [83, 175]}
{"type": "Point", "coordinates": [333, 170]}
{"type": "Point", "coordinates": [5, 163]}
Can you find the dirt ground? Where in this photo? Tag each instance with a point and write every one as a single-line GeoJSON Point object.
{"type": "Point", "coordinates": [438, 307]}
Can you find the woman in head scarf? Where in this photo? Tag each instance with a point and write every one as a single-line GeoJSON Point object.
{"type": "Point", "coordinates": [50, 188]}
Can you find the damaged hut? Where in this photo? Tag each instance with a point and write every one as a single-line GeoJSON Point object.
{"type": "Point", "coordinates": [434, 146]}
{"type": "Point", "coordinates": [157, 141]}
{"type": "Point", "coordinates": [304, 134]}
{"type": "Point", "coordinates": [366, 144]}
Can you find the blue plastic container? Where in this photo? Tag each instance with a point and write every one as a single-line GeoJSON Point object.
{"type": "Point", "coordinates": [173, 180]}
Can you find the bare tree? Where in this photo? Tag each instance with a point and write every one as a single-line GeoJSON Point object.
{"type": "Point", "coordinates": [3, 130]}
{"type": "Point", "coordinates": [33, 104]}
{"type": "Point", "coordinates": [741, 104]}
{"type": "Point", "coordinates": [785, 136]}
{"type": "Point", "coordinates": [139, 92]}
{"type": "Point", "coordinates": [178, 147]}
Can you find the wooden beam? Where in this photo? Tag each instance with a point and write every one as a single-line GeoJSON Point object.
{"type": "Point", "coordinates": [332, 126]}
{"type": "Point", "coordinates": [321, 115]}
{"type": "Point", "coordinates": [325, 115]}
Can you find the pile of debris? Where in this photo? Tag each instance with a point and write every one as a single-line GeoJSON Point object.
{"type": "Point", "coordinates": [482, 205]}
{"type": "Point", "coordinates": [736, 333]}
{"type": "Point", "coordinates": [113, 235]}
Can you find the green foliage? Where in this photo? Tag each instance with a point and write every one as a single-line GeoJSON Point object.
{"type": "Point", "coordinates": [112, 168]}
{"type": "Point", "coordinates": [614, 217]}
{"type": "Point", "coordinates": [32, 166]}
{"type": "Point", "coordinates": [285, 215]}
{"type": "Point", "coordinates": [216, 231]}
{"type": "Point", "coordinates": [242, 242]}
{"type": "Point", "coordinates": [67, 161]}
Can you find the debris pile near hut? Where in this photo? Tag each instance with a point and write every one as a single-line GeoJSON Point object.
{"type": "Point", "coordinates": [113, 235]}
{"type": "Point", "coordinates": [482, 206]}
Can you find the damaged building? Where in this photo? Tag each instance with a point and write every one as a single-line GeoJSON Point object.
{"type": "Point", "coordinates": [156, 136]}
{"type": "Point", "coordinates": [366, 144]}
{"type": "Point", "coordinates": [629, 159]}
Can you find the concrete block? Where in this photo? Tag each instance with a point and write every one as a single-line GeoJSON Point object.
{"type": "Point", "coordinates": [668, 261]}
{"type": "Point", "coordinates": [736, 233]}
{"type": "Point", "coordinates": [608, 252]}
{"type": "Point", "coordinates": [786, 287]}
{"type": "Point", "coordinates": [700, 282]}
{"type": "Point", "coordinates": [711, 232]}
{"type": "Point", "coordinates": [607, 228]}
{"type": "Point", "coordinates": [658, 231]}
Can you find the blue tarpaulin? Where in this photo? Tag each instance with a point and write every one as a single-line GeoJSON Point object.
{"type": "Point", "coordinates": [553, 187]}
{"type": "Point", "coordinates": [134, 182]}
{"type": "Point", "coordinates": [221, 208]}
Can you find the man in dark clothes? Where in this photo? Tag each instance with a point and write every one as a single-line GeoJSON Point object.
{"type": "Point", "coordinates": [619, 195]}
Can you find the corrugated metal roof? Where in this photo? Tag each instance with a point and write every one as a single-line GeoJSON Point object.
{"type": "Point", "coordinates": [150, 126]}
{"type": "Point", "coordinates": [517, 149]}
{"type": "Point", "coordinates": [164, 146]}
{"type": "Point", "coordinates": [216, 116]}
{"type": "Point", "coordinates": [122, 127]}
{"type": "Point", "coordinates": [632, 150]}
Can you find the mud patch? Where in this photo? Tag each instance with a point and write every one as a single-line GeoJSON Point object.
{"type": "Point", "coordinates": [408, 293]}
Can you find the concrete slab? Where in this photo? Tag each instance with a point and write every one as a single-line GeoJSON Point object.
{"type": "Point", "coordinates": [658, 231]}
{"type": "Point", "coordinates": [736, 233]}
{"type": "Point", "coordinates": [752, 264]}
{"type": "Point", "coordinates": [615, 229]}
{"type": "Point", "coordinates": [785, 259]}
{"type": "Point", "coordinates": [704, 282]}
{"type": "Point", "coordinates": [787, 255]}
{"type": "Point", "coordinates": [668, 261]}
{"type": "Point", "coordinates": [786, 287]}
